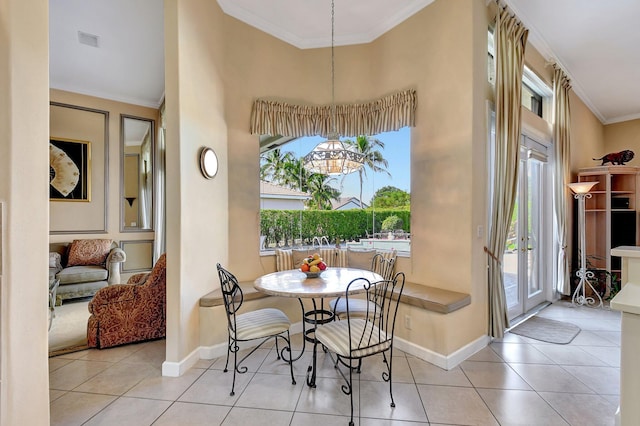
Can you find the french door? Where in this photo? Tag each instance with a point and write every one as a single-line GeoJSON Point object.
{"type": "Point", "coordinates": [526, 254]}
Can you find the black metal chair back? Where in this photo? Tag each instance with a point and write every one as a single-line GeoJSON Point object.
{"type": "Point", "coordinates": [380, 315]}
{"type": "Point", "coordinates": [231, 295]}
{"type": "Point", "coordinates": [261, 324]}
{"type": "Point", "coordinates": [384, 266]}
{"type": "Point", "coordinates": [366, 332]}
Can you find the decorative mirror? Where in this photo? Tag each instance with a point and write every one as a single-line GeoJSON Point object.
{"type": "Point", "coordinates": [137, 147]}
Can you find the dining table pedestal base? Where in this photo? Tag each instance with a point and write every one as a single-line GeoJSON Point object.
{"type": "Point", "coordinates": [314, 317]}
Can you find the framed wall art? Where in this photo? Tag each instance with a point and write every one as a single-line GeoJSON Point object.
{"type": "Point", "coordinates": [69, 170]}
{"type": "Point", "coordinates": [73, 123]}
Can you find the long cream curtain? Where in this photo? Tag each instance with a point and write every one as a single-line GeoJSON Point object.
{"type": "Point", "coordinates": [562, 176]}
{"type": "Point", "coordinates": [510, 41]}
{"type": "Point", "coordinates": [382, 115]}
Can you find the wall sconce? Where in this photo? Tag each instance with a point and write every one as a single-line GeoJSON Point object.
{"type": "Point", "coordinates": [130, 200]}
{"type": "Point", "coordinates": [208, 162]}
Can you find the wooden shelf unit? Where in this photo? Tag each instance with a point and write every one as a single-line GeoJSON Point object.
{"type": "Point", "coordinates": [611, 214]}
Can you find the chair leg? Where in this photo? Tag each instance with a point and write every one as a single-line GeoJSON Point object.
{"type": "Point", "coordinates": [235, 368]}
{"type": "Point", "coordinates": [351, 389]}
{"type": "Point", "coordinates": [226, 364]}
{"type": "Point", "coordinates": [277, 349]}
{"type": "Point", "coordinates": [293, 379]}
{"type": "Point", "coordinates": [389, 363]}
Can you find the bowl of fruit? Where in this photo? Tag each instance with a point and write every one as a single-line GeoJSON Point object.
{"type": "Point", "coordinates": [313, 266]}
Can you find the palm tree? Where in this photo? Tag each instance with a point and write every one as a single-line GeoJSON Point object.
{"type": "Point", "coordinates": [321, 191]}
{"type": "Point", "coordinates": [373, 159]}
{"type": "Point", "coordinates": [294, 174]}
{"type": "Point", "coordinates": [272, 165]}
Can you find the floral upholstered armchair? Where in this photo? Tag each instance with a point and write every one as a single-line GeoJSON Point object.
{"type": "Point", "coordinates": [132, 312]}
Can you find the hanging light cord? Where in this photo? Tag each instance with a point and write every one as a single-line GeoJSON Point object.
{"type": "Point", "coordinates": [333, 78]}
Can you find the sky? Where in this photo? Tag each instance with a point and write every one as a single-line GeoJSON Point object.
{"type": "Point", "coordinates": [396, 151]}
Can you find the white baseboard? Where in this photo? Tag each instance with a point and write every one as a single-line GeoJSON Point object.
{"type": "Point", "coordinates": [177, 369]}
{"type": "Point", "coordinates": [216, 351]}
{"type": "Point", "coordinates": [443, 361]}
{"type": "Point", "coordinates": [447, 362]}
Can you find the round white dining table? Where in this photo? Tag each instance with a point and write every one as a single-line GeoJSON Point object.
{"type": "Point", "coordinates": [331, 283]}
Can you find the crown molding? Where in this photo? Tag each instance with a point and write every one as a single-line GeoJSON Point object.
{"type": "Point", "coordinates": [110, 96]}
{"type": "Point", "coordinates": [538, 41]}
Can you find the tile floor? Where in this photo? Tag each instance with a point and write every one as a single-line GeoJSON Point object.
{"type": "Point", "coordinates": [513, 381]}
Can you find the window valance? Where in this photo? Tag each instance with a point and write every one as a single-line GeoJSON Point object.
{"type": "Point", "coordinates": [382, 115]}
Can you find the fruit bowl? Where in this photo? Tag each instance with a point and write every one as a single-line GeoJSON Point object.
{"type": "Point", "coordinates": [313, 266]}
{"type": "Point", "coordinates": [312, 274]}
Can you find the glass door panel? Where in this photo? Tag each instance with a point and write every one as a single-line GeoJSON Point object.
{"type": "Point", "coordinates": [512, 264]}
{"type": "Point", "coordinates": [522, 266]}
{"type": "Point", "coordinates": [535, 204]}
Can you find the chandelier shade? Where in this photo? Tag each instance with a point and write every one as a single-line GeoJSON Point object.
{"type": "Point", "coordinates": [332, 158]}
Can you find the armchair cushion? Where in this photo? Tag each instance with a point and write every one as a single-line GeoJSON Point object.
{"type": "Point", "coordinates": [82, 274]}
{"type": "Point", "coordinates": [89, 252]}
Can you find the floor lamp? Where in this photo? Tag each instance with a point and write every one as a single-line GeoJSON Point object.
{"type": "Point", "coordinates": [580, 193]}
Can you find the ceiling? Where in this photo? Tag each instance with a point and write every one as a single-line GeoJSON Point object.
{"type": "Point", "coordinates": [594, 41]}
{"type": "Point", "coordinates": [127, 65]}
{"type": "Point", "coordinates": [597, 44]}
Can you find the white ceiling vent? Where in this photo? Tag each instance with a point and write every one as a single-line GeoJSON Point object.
{"type": "Point", "coordinates": [88, 39]}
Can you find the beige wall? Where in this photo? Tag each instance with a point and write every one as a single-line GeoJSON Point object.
{"type": "Point", "coordinates": [85, 126]}
{"type": "Point", "coordinates": [197, 208]}
{"type": "Point", "coordinates": [24, 135]}
{"type": "Point", "coordinates": [587, 135]}
{"type": "Point", "coordinates": [620, 136]}
{"type": "Point", "coordinates": [441, 52]}
{"type": "Point", "coordinates": [202, 47]}
{"type": "Point", "coordinates": [72, 123]}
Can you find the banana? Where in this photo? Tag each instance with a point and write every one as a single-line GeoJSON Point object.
{"type": "Point", "coordinates": [315, 262]}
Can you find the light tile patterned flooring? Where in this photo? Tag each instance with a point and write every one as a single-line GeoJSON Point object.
{"type": "Point", "coordinates": [514, 381]}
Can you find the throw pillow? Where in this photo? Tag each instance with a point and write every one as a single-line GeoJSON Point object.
{"type": "Point", "coordinates": [55, 260]}
{"type": "Point", "coordinates": [360, 259]}
{"type": "Point", "coordinates": [283, 260]}
{"type": "Point", "coordinates": [89, 252]}
{"type": "Point", "coordinates": [298, 257]}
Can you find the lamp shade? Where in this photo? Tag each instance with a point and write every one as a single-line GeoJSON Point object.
{"type": "Point", "coordinates": [581, 187]}
{"type": "Point", "coordinates": [332, 158]}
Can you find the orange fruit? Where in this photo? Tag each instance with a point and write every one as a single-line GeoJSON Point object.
{"type": "Point", "coordinates": [304, 267]}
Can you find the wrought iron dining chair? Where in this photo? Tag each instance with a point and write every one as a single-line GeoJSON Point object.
{"type": "Point", "coordinates": [355, 338]}
{"type": "Point", "coordinates": [383, 266]}
{"type": "Point", "coordinates": [262, 324]}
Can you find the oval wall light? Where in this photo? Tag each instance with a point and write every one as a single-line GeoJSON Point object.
{"type": "Point", "coordinates": [208, 162]}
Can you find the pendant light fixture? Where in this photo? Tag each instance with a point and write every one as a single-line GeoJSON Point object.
{"type": "Point", "coordinates": [331, 157]}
